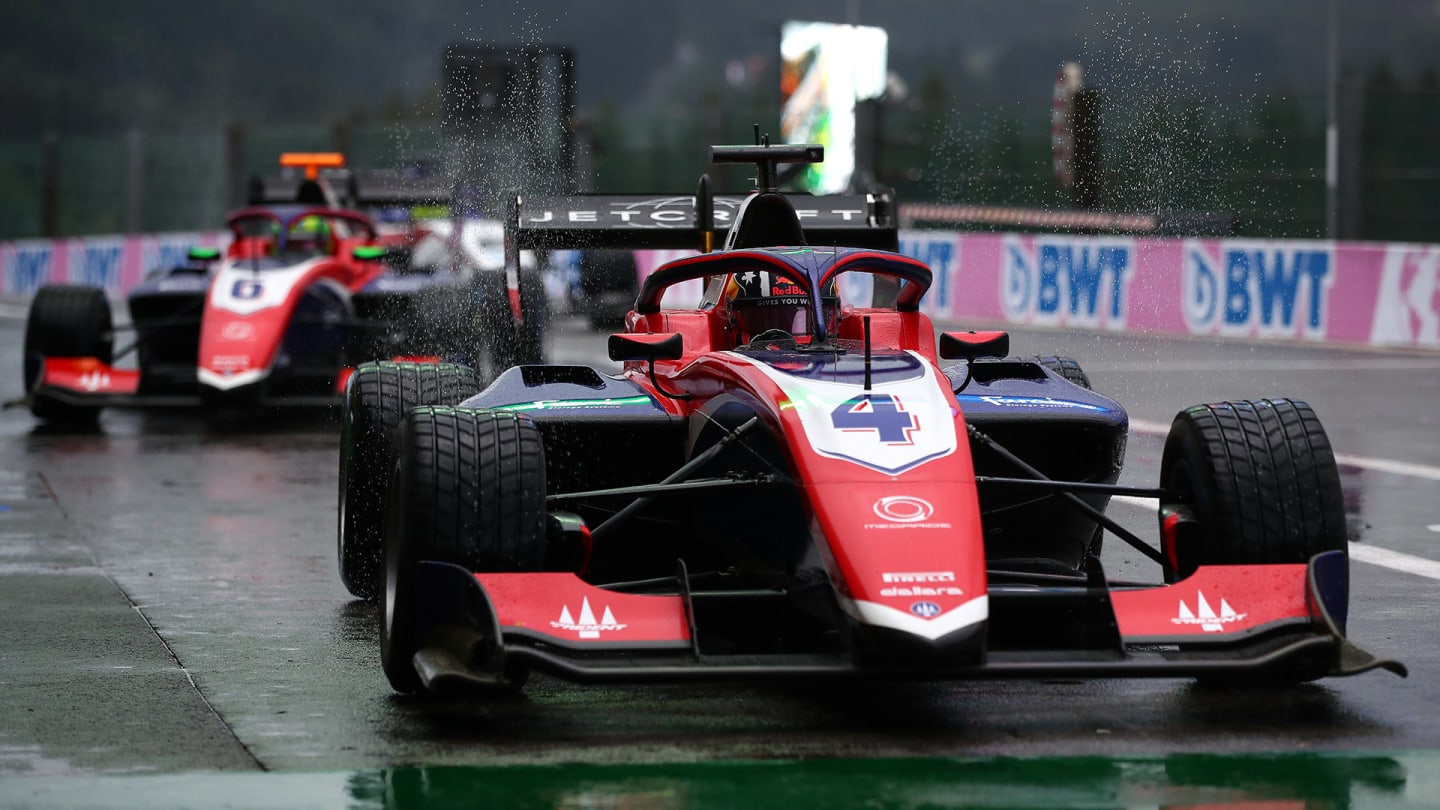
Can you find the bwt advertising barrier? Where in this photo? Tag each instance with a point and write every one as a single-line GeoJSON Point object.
{"type": "Point", "coordinates": [1308, 291]}
{"type": "Point", "coordinates": [1303, 290]}
{"type": "Point", "coordinates": [115, 263]}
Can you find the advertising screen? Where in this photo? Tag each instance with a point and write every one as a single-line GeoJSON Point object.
{"type": "Point", "coordinates": [825, 69]}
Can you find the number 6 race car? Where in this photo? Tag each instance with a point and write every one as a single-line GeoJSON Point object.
{"type": "Point", "coordinates": [306, 289]}
{"type": "Point", "coordinates": [798, 477]}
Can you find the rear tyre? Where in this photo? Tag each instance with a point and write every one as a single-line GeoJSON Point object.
{"type": "Point", "coordinates": [1256, 482]}
{"type": "Point", "coordinates": [66, 320]}
{"type": "Point", "coordinates": [468, 489]}
{"type": "Point", "coordinates": [377, 397]}
{"type": "Point", "coordinates": [1066, 367]}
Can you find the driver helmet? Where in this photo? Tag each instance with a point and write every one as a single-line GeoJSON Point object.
{"type": "Point", "coordinates": [759, 301]}
{"type": "Point", "coordinates": [309, 235]}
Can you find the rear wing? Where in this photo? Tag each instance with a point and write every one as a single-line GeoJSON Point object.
{"type": "Point", "coordinates": [288, 189]}
{"type": "Point", "coordinates": [308, 178]}
{"type": "Point", "coordinates": [657, 222]}
{"type": "Point", "coordinates": [652, 221]}
{"type": "Point", "coordinates": [353, 188]}
{"type": "Point", "coordinates": [322, 178]}
{"type": "Point", "coordinates": [678, 222]}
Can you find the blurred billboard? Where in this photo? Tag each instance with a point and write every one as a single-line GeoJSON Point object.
{"type": "Point", "coordinates": [825, 69]}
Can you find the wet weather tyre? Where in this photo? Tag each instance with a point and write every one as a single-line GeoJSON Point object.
{"type": "Point", "coordinates": [1066, 367]}
{"type": "Point", "coordinates": [66, 320]}
{"type": "Point", "coordinates": [468, 489]}
{"type": "Point", "coordinates": [377, 397]}
{"type": "Point", "coordinates": [1258, 481]}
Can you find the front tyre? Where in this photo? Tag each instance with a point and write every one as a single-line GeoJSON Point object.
{"type": "Point", "coordinates": [1256, 483]}
{"type": "Point", "coordinates": [377, 397]}
{"type": "Point", "coordinates": [66, 320]}
{"type": "Point", "coordinates": [1066, 367]}
{"type": "Point", "coordinates": [468, 489]}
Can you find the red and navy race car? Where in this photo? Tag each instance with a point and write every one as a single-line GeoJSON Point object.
{"type": "Point", "coordinates": [307, 288]}
{"type": "Point", "coordinates": [797, 477]}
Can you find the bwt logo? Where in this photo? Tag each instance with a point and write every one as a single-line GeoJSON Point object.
{"type": "Point", "coordinates": [98, 265]}
{"type": "Point", "coordinates": [29, 269]}
{"type": "Point", "coordinates": [939, 256]}
{"type": "Point", "coordinates": [1073, 282]}
{"type": "Point", "coordinates": [167, 253]}
{"type": "Point", "coordinates": [1256, 289]}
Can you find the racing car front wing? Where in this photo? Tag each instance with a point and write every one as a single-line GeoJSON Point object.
{"type": "Point", "coordinates": [1262, 622]}
{"type": "Point", "coordinates": [89, 382]}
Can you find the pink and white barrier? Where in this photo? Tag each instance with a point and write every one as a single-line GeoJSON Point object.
{"type": "Point", "coordinates": [115, 263]}
{"type": "Point", "coordinates": [1375, 294]}
{"type": "Point", "coordinates": [1366, 293]}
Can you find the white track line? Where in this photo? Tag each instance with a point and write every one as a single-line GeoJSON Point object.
{"type": "Point", "coordinates": [1383, 557]}
{"type": "Point", "coordinates": [1146, 426]}
{"type": "Point", "coordinates": [1395, 561]}
{"type": "Point", "coordinates": [1386, 465]}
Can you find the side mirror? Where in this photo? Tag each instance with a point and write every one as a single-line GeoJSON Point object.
{"type": "Point", "coordinates": [970, 345]}
{"type": "Point", "coordinates": [651, 347]}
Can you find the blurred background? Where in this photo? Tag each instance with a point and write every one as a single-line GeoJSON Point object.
{"type": "Point", "coordinates": [1271, 118]}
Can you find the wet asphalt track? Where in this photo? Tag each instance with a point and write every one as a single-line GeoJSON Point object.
{"type": "Point", "coordinates": [169, 603]}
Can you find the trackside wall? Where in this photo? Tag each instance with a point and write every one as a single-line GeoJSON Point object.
{"type": "Point", "coordinates": [115, 263]}
{"type": "Point", "coordinates": [1377, 294]}
{"type": "Point", "coordinates": [1363, 293]}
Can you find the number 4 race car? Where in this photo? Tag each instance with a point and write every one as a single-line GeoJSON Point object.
{"type": "Point", "coordinates": [798, 477]}
{"type": "Point", "coordinates": [307, 288]}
